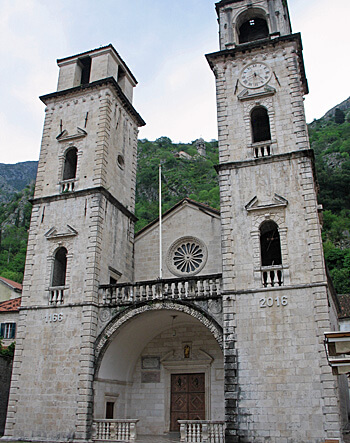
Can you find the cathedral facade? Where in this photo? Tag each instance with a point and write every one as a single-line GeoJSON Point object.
{"type": "Point", "coordinates": [230, 338]}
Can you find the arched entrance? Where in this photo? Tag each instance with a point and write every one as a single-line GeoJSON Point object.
{"type": "Point", "coordinates": [160, 363]}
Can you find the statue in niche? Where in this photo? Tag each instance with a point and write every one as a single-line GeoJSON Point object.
{"type": "Point", "coordinates": [187, 351]}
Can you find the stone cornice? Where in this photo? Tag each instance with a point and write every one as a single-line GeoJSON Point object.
{"type": "Point", "coordinates": [110, 81]}
{"type": "Point", "coordinates": [309, 153]}
{"type": "Point", "coordinates": [228, 293]}
{"type": "Point", "coordinates": [83, 193]}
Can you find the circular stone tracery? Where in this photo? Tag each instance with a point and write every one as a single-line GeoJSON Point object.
{"type": "Point", "coordinates": [187, 256]}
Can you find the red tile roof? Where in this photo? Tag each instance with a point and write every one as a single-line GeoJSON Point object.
{"type": "Point", "coordinates": [10, 305]}
{"type": "Point", "coordinates": [11, 283]}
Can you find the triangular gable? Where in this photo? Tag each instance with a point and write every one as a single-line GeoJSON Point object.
{"type": "Point", "coordinates": [53, 233]}
{"type": "Point", "coordinates": [277, 202]}
{"type": "Point", "coordinates": [181, 204]}
{"type": "Point", "coordinates": [247, 94]}
{"type": "Point", "coordinates": [64, 136]}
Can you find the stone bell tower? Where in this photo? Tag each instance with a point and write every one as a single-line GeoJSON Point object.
{"type": "Point", "coordinates": [277, 302]}
{"type": "Point", "coordinates": [83, 206]}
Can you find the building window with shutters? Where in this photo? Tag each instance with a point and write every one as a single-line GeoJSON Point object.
{"type": "Point", "coordinates": [8, 331]}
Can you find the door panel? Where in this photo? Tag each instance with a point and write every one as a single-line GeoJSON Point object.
{"type": "Point", "coordinates": [187, 398]}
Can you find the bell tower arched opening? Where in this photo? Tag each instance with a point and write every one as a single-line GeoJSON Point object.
{"type": "Point", "coordinates": [252, 25]}
{"type": "Point", "coordinates": [270, 244]}
{"type": "Point", "coordinates": [59, 268]}
{"type": "Point", "coordinates": [260, 123]}
{"type": "Point", "coordinates": [70, 164]}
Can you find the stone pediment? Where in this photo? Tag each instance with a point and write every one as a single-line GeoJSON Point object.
{"type": "Point", "coordinates": [248, 94]}
{"type": "Point", "coordinates": [54, 234]}
{"type": "Point", "coordinates": [256, 205]}
{"type": "Point", "coordinates": [65, 136]}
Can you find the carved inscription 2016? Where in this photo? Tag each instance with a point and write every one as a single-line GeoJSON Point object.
{"type": "Point", "coordinates": [269, 302]}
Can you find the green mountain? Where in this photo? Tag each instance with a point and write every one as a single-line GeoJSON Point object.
{"type": "Point", "coordinates": [185, 173]}
{"type": "Point", "coordinates": [330, 139]}
{"type": "Point", "coordinates": [14, 225]}
{"type": "Point", "coordinates": [13, 178]}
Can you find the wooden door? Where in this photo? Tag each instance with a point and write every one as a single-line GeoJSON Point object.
{"type": "Point", "coordinates": [187, 398]}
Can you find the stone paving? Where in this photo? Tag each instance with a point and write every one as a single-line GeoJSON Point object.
{"type": "Point", "coordinates": [166, 438]}
{"type": "Point", "coordinates": [175, 438]}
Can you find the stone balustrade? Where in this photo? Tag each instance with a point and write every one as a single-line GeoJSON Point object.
{"type": "Point", "coordinates": [272, 276]}
{"type": "Point", "coordinates": [208, 286]}
{"type": "Point", "coordinates": [114, 430]}
{"type": "Point", "coordinates": [67, 185]}
{"type": "Point", "coordinates": [202, 431]}
{"type": "Point", "coordinates": [262, 149]}
{"type": "Point", "coordinates": [56, 295]}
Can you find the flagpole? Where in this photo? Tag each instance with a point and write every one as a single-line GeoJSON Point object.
{"type": "Point", "coordinates": [160, 223]}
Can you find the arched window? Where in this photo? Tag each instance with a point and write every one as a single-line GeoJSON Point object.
{"type": "Point", "coordinates": [59, 268]}
{"type": "Point", "coordinates": [270, 244]}
{"type": "Point", "coordinates": [70, 164]}
{"type": "Point", "coordinates": [260, 124]}
{"type": "Point", "coordinates": [252, 29]}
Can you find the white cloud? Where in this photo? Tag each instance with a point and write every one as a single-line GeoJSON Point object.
{"type": "Point", "coordinates": [324, 29]}
{"type": "Point", "coordinates": [28, 34]}
{"type": "Point", "coordinates": [180, 102]}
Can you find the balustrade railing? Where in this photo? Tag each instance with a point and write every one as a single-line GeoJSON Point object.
{"type": "Point", "coordinates": [67, 185]}
{"type": "Point", "coordinates": [272, 276]}
{"type": "Point", "coordinates": [202, 431]}
{"type": "Point", "coordinates": [56, 295]}
{"type": "Point", "coordinates": [262, 149]}
{"type": "Point", "coordinates": [114, 430]}
{"type": "Point", "coordinates": [187, 288]}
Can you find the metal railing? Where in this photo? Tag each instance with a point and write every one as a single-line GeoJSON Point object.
{"type": "Point", "coordinates": [208, 286]}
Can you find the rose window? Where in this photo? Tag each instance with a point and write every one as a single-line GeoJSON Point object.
{"type": "Point", "coordinates": [187, 256]}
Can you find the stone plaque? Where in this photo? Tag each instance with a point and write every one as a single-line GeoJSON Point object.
{"type": "Point", "coordinates": [150, 363]}
{"type": "Point", "coordinates": [150, 377]}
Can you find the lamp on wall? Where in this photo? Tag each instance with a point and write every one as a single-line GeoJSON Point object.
{"type": "Point", "coordinates": [172, 325]}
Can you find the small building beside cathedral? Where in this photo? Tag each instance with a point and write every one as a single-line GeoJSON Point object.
{"type": "Point", "coordinates": [227, 342]}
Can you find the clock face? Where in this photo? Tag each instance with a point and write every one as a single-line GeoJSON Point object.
{"type": "Point", "coordinates": [255, 75]}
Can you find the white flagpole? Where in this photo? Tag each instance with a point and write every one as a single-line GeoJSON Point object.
{"type": "Point", "coordinates": [160, 223]}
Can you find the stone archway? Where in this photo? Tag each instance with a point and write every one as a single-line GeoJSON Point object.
{"type": "Point", "coordinates": [139, 350]}
{"type": "Point", "coordinates": [120, 320]}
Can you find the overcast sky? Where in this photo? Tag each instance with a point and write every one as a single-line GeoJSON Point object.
{"type": "Point", "coordinates": [163, 42]}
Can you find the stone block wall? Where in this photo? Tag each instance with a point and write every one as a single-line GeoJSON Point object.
{"type": "Point", "coordinates": [288, 176]}
{"type": "Point", "coordinates": [106, 151]}
{"type": "Point", "coordinates": [286, 387]}
{"type": "Point", "coordinates": [283, 100]}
